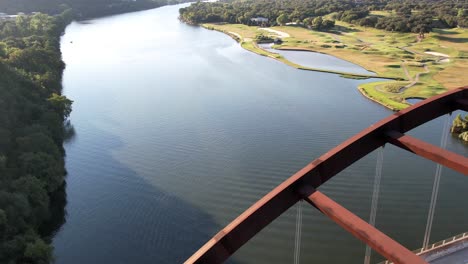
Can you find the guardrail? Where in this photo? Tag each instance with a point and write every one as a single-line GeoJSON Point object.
{"type": "Point", "coordinates": [437, 245]}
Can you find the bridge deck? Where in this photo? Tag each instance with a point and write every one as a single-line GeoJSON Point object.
{"type": "Point", "coordinates": [452, 250]}
{"type": "Point", "coordinates": [458, 257]}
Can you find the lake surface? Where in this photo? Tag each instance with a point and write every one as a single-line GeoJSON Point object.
{"type": "Point", "coordinates": [318, 60]}
{"type": "Point", "coordinates": [179, 130]}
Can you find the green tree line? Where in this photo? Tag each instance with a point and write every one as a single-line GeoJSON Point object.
{"type": "Point", "coordinates": [33, 120]}
{"type": "Point", "coordinates": [32, 115]}
{"type": "Point", "coordinates": [82, 8]}
{"type": "Point", "coordinates": [404, 15]}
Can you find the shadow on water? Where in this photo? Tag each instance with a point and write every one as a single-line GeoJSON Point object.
{"type": "Point", "coordinates": [69, 132]}
{"type": "Point", "coordinates": [58, 199]}
{"type": "Point", "coordinates": [58, 203]}
{"type": "Point", "coordinates": [115, 216]}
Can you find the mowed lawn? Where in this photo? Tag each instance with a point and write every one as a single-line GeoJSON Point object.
{"type": "Point", "coordinates": [393, 55]}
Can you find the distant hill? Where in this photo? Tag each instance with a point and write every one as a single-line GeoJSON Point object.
{"type": "Point", "coordinates": [82, 8]}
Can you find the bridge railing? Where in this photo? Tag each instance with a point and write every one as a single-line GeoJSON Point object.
{"type": "Point", "coordinates": [441, 243]}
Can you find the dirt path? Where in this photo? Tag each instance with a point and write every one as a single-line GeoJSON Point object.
{"type": "Point", "coordinates": [411, 51]}
{"type": "Point", "coordinates": [403, 65]}
{"type": "Point", "coordinates": [413, 81]}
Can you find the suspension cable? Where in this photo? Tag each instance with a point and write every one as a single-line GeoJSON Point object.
{"type": "Point", "coordinates": [435, 187]}
{"type": "Point", "coordinates": [375, 197]}
{"type": "Point", "coordinates": [297, 244]}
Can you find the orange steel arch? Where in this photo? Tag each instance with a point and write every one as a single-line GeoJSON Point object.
{"type": "Point", "coordinates": [304, 184]}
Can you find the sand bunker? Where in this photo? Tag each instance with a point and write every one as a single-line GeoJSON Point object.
{"type": "Point", "coordinates": [437, 54]}
{"type": "Point", "coordinates": [277, 32]}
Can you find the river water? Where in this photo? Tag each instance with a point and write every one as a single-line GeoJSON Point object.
{"type": "Point", "coordinates": [178, 130]}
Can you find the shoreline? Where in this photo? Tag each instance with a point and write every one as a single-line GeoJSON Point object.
{"type": "Point", "coordinates": [377, 51]}
{"type": "Point", "coordinates": [311, 50]}
{"type": "Point", "coordinates": [361, 88]}
{"type": "Point", "coordinates": [366, 95]}
{"type": "Point", "coordinates": [280, 58]}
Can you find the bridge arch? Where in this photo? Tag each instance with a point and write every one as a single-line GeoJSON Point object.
{"type": "Point", "coordinates": [304, 183]}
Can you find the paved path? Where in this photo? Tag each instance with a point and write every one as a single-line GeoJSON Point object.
{"type": "Point", "coordinates": [416, 77]}
{"type": "Point", "coordinates": [412, 81]}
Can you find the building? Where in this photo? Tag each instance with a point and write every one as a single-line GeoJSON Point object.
{"type": "Point", "coordinates": [259, 19]}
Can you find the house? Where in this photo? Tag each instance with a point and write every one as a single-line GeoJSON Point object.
{"type": "Point", "coordinates": [259, 19]}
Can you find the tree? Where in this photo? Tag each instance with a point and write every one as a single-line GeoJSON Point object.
{"type": "Point", "coordinates": [44, 167]}
{"type": "Point", "coordinates": [22, 23]}
{"type": "Point", "coordinates": [61, 104]}
{"type": "Point", "coordinates": [36, 143]}
{"type": "Point", "coordinates": [462, 12]}
{"type": "Point", "coordinates": [348, 11]}
{"type": "Point", "coordinates": [328, 24]}
{"type": "Point", "coordinates": [282, 19]}
{"type": "Point", "coordinates": [38, 252]}
{"type": "Point", "coordinates": [368, 21]}
{"type": "Point", "coordinates": [17, 209]}
{"type": "Point", "coordinates": [404, 11]}
{"type": "Point", "coordinates": [262, 38]}
{"type": "Point", "coordinates": [3, 224]}
{"type": "Point", "coordinates": [40, 23]}
{"type": "Point", "coordinates": [421, 29]}
{"type": "Point", "coordinates": [10, 29]}
{"type": "Point", "coordinates": [307, 21]}
{"type": "Point", "coordinates": [37, 197]}
{"type": "Point", "coordinates": [317, 23]}
{"type": "Point", "coordinates": [2, 163]}
{"type": "Point", "coordinates": [5, 140]}
{"type": "Point", "coordinates": [3, 50]}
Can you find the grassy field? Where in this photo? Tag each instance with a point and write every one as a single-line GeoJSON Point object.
{"type": "Point", "coordinates": [247, 42]}
{"type": "Point", "coordinates": [399, 56]}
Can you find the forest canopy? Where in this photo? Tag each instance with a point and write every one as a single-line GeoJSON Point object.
{"type": "Point", "coordinates": [82, 8]}
{"type": "Point", "coordinates": [401, 15]}
{"type": "Point", "coordinates": [32, 115]}
{"type": "Point", "coordinates": [33, 119]}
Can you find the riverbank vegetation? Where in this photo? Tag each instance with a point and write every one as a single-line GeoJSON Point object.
{"type": "Point", "coordinates": [390, 15]}
{"type": "Point", "coordinates": [82, 8]}
{"type": "Point", "coordinates": [460, 127]}
{"type": "Point", "coordinates": [32, 115]}
{"type": "Point", "coordinates": [34, 120]}
{"type": "Point", "coordinates": [421, 45]}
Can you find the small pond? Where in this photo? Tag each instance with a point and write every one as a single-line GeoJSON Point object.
{"type": "Point", "coordinates": [318, 60]}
